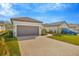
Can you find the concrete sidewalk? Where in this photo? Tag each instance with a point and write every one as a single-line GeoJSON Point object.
{"type": "Point", "coordinates": [43, 46]}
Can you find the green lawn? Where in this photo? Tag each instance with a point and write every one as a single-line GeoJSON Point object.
{"type": "Point", "coordinates": [13, 47]}
{"type": "Point", "coordinates": [72, 39]}
{"type": "Point", "coordinates": [11, 44]}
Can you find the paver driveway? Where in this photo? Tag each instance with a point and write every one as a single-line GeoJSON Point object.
{"type": "Point", "coordinates": [42, 46]}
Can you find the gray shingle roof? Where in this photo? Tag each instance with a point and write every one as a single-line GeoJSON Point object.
{"type": "Point", "coordinates": [1, 22]}
{"type": "Point", "coordinates": [55, 23]}
{"type": "Point", "coordinates": [25, 19]}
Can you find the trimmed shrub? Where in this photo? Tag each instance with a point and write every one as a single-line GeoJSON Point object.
{"type": "Point", "coordinates": [50, 32]}
{"type": "Point", "coordinates": [8, 34]}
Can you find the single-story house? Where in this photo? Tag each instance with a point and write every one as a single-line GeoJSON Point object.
{"type": "Point", "coordinates": [55, 26]}
{"type": "Point", "coordinates": [25, 26]}
{"type": "Point", "coordinates": [2, 26]}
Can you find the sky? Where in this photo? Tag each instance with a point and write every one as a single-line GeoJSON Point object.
{"type": "Point", "coordinates": [45, 12]}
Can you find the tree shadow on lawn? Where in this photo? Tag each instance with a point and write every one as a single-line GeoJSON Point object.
{"type": "Point", "coordinates": [10, 39]}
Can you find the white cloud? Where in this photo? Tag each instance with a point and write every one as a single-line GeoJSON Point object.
{"type": "Point", "coordinates": [6, 10]}
{"type": "Point", "coordinates": [50, 6]}
{"type": "Point", "coordinates": [49, 19]}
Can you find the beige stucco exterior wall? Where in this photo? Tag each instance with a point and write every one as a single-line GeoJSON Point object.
{"type": "Point", "coordinates": [2, 28]}
{"type": "Point", "coordinates": [47, 29]}
{"type": "Point", "coordinates": [15, 23]}
{"type": "Point", "coordinates": [54, 28]}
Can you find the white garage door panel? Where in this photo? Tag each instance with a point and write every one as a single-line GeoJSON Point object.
{"type": "Point", "coordinates": [27, 30]}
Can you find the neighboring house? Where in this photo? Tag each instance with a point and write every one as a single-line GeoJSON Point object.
{"type": "Point", "coordinates": [25, 26]}
{"type": "Point", "coordinates": [2, 26]}
{"type": "Point", "coordinates": [54, 27]}
{"type": "Point", "coordinates": [74, 27]}
{"type": "Point", "coordinates": [46, 27]}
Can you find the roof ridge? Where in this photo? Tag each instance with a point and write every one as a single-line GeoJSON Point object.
{"type": "Point", "coordinates": [28, 19]}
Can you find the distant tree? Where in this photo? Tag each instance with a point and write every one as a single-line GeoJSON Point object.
{"type": "Point", "coordinates": [8, 25]}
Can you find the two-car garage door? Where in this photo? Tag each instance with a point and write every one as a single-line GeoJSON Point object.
{"type": "Point", "coordinates": [27, 30]}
